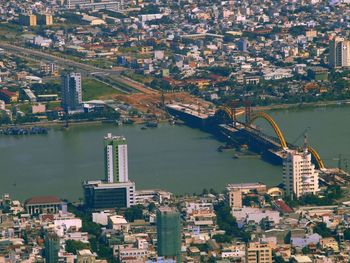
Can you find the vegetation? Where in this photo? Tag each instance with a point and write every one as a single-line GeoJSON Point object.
{"type": "Point", "coordinates": [94, 89]}
{"type": "Point", "coordinates": [347, 234]}
{"type": "Point", "coordinates": [4, 119]}
{"type": "Point", "coordinates": [94, 230]}
{"type": "Point", "coordinates": [107, 113]}
{"type": "Point", "coordinates": [133, 213]}
{"type": "Point", "coordinates": [332, 194]}
{"type": "Point", "coordinates": [322, 229]}
{"type": "Point", "coordinates": [47, 88]}
{"type": "Point", "coordinates": [72, 246]}
{"type": "Point", "coordinates": [27, 118]}
{"type": "Point", "coordinates": [228, 223]}
{"type": "Point", "coordinates": [247, 200]}
{"type": "Point", "coordinates": [9, 31]}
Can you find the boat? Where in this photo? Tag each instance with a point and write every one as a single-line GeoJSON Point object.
{"type": "Point", "coordinates": [151, 124]}
{"type": "Point", "coordinates": [143, 128]}
{"type": "Point", "coordinates": [24, 131]}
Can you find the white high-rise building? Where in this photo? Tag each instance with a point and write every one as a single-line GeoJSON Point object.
{"type": "Point", "coordinates": [116, 159]}
{"type": "Point", "coordinates": [339, 53]}
{"type": "Point", "coordinates": [299, 175]}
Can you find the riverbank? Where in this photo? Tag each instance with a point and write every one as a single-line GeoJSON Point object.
{"type": "Point", "coordinates": [305, 105]}
{"type": "Point", "coordinates": [275, 107]}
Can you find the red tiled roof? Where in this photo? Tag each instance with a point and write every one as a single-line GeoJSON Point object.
{"type": "Point", "coordinates": [42, 200]}
{"type": "Point", "coordinates": [50, 218]}
{"type": "Point", "coordinates": [8, 93]}
{"type": "Point", "coordinates": [283, 206]}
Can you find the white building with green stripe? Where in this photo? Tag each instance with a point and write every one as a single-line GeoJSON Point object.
{"type": "Point", "coordinates": [116, 159]}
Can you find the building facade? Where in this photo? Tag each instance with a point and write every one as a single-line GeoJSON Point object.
{"type": "Point", "coordinates": [339, 53]}
{"type": "Point", "coordinates": [234, 197]}
{"type": "Point", "coordinates": [116, 159]}
{"type": "Point", "coordinates": [43, 204]}
{"type": "Point", "coordinates": [28, 20]}
{"type": "Point", "coordinates": [45, 19]}
{"type": "Point", "coordinates": [52, 247]}
{"type": "Point", "coordinates": [71, 92]}
{"type": "Point", "coordinates": [299, 175]}
{"type": "Point", "coordinates": [169, 233]}
{"type": "Point", "coordinates": [257, 252]}
{"type": "Point", "coordinates": [99, 195]}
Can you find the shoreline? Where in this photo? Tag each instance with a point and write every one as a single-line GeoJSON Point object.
{"type": "Point", "coordinates": [274, 107]}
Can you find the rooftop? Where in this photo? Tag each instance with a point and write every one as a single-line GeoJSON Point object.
{"type": "Point", "coordinates": [50, 199]}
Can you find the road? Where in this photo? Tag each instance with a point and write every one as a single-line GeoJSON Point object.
{"type": "Point", "coordinates": [111, 76]}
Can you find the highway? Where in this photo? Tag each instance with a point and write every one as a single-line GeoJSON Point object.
{"type": "Point", "coordinates": [109, 76]}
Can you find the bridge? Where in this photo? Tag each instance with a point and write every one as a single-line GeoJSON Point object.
{"type": "Point", "coordinates": [247, 133]}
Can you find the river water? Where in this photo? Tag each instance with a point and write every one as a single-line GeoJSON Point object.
{"type": "Point", "coordinates": [175, 158]}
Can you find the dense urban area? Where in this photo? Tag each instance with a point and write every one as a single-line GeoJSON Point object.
{"type": "Point", "coordinates": [204, 63]}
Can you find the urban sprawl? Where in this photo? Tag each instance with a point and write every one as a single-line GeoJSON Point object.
{"type": "Point", "coordinates": [70, 61]}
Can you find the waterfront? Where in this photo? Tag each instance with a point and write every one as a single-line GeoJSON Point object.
{"type": "Point", "coordinates": [178, 159]}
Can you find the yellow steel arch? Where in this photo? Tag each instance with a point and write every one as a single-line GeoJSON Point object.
{"type": "Point", "coordinates": [275, 127]}
{"type": "Point", "coordinates": [227, 110]}
{"type": "Point", "coordinates": [316, 157]}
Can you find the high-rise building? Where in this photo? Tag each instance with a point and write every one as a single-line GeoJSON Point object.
{"type": "Point", "coordinates": [45, 19]}
{"type": "Point", "coordinates": [257, 252]}
{"type": "Point", "coordinates": [27, 20]}
{"type": "Point", "coordinates": [116, 159]}
{"type": "Point", "coordinates": [339, 53]}
{"type": "Point", "coordinates": [52, 247]}
{"type": "Point", "coordinates": [243, 45]}
{"type": "Point", "coordinates": [71, 92]}
{"type": "Point", "coordinates": [169, 233]}
{"type": "Point", "coordinates": [299, 175]}
{"type": "Point", "coordinates": [99, 195]}
{"type": "Point", "coordinates": [116, 191]}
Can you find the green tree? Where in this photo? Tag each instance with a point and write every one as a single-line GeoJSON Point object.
{"type": "Point", "coordinates": [72, 246]}
{"type": "Point", "coordinates": [151, 207]}
{"type": "Point", "coordinates": [347, 234]}
{"type": "Point", "coordinates": [322, 229]}
{"type": "Point", "coordinates": [288, 237]}
{"type": "Point", "coordinates": [133, 213]}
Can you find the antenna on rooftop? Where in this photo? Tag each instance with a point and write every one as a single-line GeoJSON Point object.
{"type": "Point", "coordinates": [305, 141]}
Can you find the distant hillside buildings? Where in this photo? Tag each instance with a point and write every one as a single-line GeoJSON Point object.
{"type": "Point", "coordinates": [34, 20]}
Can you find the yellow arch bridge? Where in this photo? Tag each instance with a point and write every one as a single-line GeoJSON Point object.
{"type": "Point", "coordinates": [282, 141]}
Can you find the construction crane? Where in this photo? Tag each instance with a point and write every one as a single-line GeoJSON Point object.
{"type": "Point", "coordinates": [303, 134]}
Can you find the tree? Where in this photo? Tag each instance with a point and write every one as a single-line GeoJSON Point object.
{"type": "Point", "coordinates": [72, 246]}
{"type": "Point", "coordinates": [322, 229]}
{"type": "Point", "coordinates": [306, 250]}
{"type": "Point", "coordinates": [288, 237]}
{"type": "Point", "coordinates": [133, 213]}
{"type": "Point", "coordinates": [227, 222]}
{"type": "Point", "coordinates": [151, 207]}
{"type": "Point", "coordinates": [205, 191]}
{"type": "Point", "coordinates": [222, 238]}
{"type": "Point", "coordinates": [212, 191]}
{"type": "Point", "coordinates": [347, 234]}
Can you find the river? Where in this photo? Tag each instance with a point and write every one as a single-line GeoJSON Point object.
{"type": "Point", "coordinates": [175, 158]}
